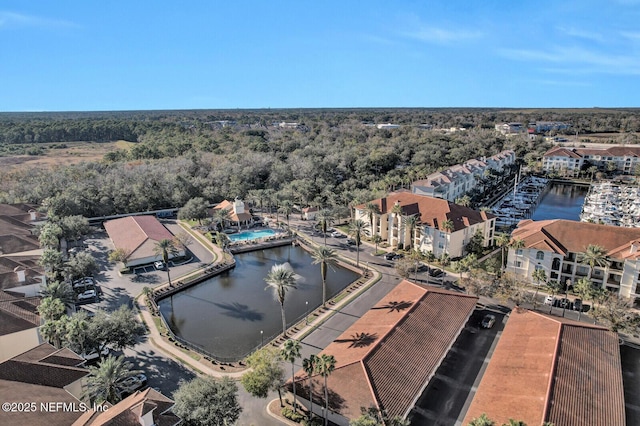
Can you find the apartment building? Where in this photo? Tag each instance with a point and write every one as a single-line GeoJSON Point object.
{"type": "Point", "coordinates": [442, 227]}
{"type": "Point", "coordinates": [454, 182]}
{"type": "Point", "coordinates": [623, 159]}
{"type": "Point", "coordinates": [555, 246]}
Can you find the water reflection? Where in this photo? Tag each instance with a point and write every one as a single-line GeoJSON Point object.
{"type": "Point", "coordinates": [226, 314]}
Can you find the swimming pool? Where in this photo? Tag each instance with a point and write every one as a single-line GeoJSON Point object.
{"type": "Point", "coordinates": [252, 235]}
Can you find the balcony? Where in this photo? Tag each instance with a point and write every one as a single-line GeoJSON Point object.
{"type": "Point", "coordinates": [567, 269]}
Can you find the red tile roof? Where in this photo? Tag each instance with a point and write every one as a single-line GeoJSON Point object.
{"type": "Point", "coordinates": [432, 211]}
{"type": "Point", "coordinates": [613, 151]}
{"type": "Point", "coordinates": [387, 357]}
{"type": "Point", "coordinates": [562, 236]}
{"type": "Point", "coordinates": [132, 232]}
{"type": "Point", "coordinates": [552, 369]}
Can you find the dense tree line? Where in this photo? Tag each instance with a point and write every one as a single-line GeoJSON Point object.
{"type": "Point", "coordinates": [333, 159]}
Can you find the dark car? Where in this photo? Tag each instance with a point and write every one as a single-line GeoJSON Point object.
{"type": "Point", "coordinates": [434, 272]}
{"type": "Point", "coordinates": [577, 305]}
{"type": "Point", "coordinates": [398, 256]}
{"type": "Point", "coordinates": [488, 321]}
{"type": "Point", "coordinates": [389, 256]}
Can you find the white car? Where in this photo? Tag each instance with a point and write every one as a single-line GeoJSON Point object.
{"type": "Point", "coordinates": [549, 300]}
{"type": "Point", "coordinates": [132, 384]}
{"type": "Point", "coordinates": [159, 264]}
{"type": "Point", "coordinates": [87, 295]}
{"type": "Point", "coordinates": [90, 356]}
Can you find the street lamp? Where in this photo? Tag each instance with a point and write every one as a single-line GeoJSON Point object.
{"type": "Point", "coordinates": [306, 304]}
{"type": "Point", "coordinates": [261, 338]}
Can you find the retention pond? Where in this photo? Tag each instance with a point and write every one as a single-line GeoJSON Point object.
{"type": "Point", "coordinates": [233, 313]}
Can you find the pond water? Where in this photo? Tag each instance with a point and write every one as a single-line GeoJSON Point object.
{"type": "Point", "coordinates": [226, 314]}
{"type": "Point", "coordinates": [562, 201]}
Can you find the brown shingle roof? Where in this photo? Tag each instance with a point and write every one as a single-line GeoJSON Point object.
{"type": "Point", "coordinates": [387, 357]}
{"type": "Point", "coordinates": [564, 236]}
{"type": "Point", "coordinates": [552, 369]}
{"type": "Point", "coordinates": [18, 313]}
{"type": "Point", "coordinates": [432, 211]}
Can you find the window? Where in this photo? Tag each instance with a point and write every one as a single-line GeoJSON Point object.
{"type": "Point", "coordinates": [440, 245]}
{"type": "Point", "coordinates": [518, 264]}
{"type": "Point", "coordinates": [539, 267]}
{"type": "Point", "coordinates": [519, 252]}
{"type": "Point", "coordinates": [540, 255]}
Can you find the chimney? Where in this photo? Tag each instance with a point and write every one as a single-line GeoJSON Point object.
{"type": "Point", "coordinates": [33, 214]}
{"type": "Point", "coordinates": [634, 247]}
{"type": "Point", "coordinates": [19, 270]}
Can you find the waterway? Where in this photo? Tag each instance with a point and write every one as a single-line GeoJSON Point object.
{"type": "Point", "coordinates": [562, 201]}
{"type": "Point", "coordinates": [231, 314]}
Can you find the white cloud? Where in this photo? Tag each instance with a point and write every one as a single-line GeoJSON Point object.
{"type": "Point", "coordinates": [587, 35]}
{"type": "Point", "coordinates": [17, 20]}
{"type": "Point", "coordinates": [578, 59]}
{"type": "Point", "coordinates": [442, 36]}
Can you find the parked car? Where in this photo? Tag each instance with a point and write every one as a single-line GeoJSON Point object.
{"type": "Point", "coordinates": [488, 321]}
{"type": "Point", "coordinates": [549, 300]}
{"type": "Point", "coordinates": [94, 354]}
{"type": "Point", "coordinates": [351, 241]}
{"type": "Point", "coordinates": [577, 305]}
{"type": "Point", "coordinates": [336, 234]}
{"type": "Point", "coordinates": [389, 256]}
{"type": "Point", "coordinates": [87, 295]}
{"type": "Point", "coordinates": [398, 256]}
{"type": "Point", "coordinates": [132, 384]}
{"type": "Point", "coordinates": [159, 265]}
{"type": "Point", "coordinates": [434, 272]}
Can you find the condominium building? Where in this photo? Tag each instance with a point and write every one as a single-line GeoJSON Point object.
{"type": "Point", "coordinates": [555, 246]}
{"type": "Point", "coordinates": [623, 159]}
{"type": "Point", "coordinates": [441, 226]}
{"type": "Point", "coordinates": [457, 180]}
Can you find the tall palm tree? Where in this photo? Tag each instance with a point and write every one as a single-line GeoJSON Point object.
{"type": "Point", "coordinates": [221, 217]}
{"type": "Point", "coordinates": [51, 309]}
{"type": "Point", "coordinates": [60, 290]}
{"type": "Point", "coordinates": [309, 365]}
{"type": "Point", "coordinates": [377, 239]}
{"type": "Point", "coordinates": [355, 229]}
{"type": "Point", "coordinates": [593, 256]}
{"type": "Point", "coordinates": [539, 275]}
{"type": "Point", "coordinates": [447, 226]}
{"type": "Point", "coordinates": [281, 279]}
{"type": "Point", "coordinates": [222, 240]}
{"type": "Point", "coordinates": [412, 222]}
{"type": "Point", "coordinates": [397, 214]}
{"type": "Point", "coordinates": [286, 208]}
{"type": "Point", "coordinates": [372, 210]}
{"type": "Point", "coordinates": [554, 288]}
{"type": "Point", "coordinates": [502, 241]}
{"type": "Point", "coordinates": [325, 219]}
{"type": "Point", "coordinates": [584, 288]}
{"type": "Point", "coordinates": [325, 366]}
{"type": "Point", "coordinates": [516, 244]}
{"type": "Point", "coordinates": [104, 379]}
{"type": "Point", "coordinates": [291, 352]}
{"type": "Point", "coordinates": [324, 256]}
{"type": "Point", "coordinates": [165, 248]}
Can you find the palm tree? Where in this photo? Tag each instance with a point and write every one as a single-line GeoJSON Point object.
{"type": "Point", "coordinates": [516, 244]}
{"type": "Point", "coordinates": [412, 223]}
{"type": "Point", "coordinates": [165, 248]}
{"type": "Point", "coordinates": [221, 217]}
{"type": "Point", "coordinates": [281, 279]}
{"type": "Point", "coordinates": [483, 420]}
{"type": "Point", "coordinates": [464, 201]}
{"type": "Point", "coordinates": [356, 228]}
{"type": "Point", "coordinates": [397, 214]}
{"type": "Point", "coordinates": [593, 256]}
{"type": "Point", "coordinates": [51, 309]}
{"type": "Point", "coordinates": [502, 241]}
{"type": "Point", "coordinates": [60, 290]}
{"type": "Point", "coordinates": [515, 423]}
{"type": "Point", "coordinates": [325, 366]}
{"type": "Point", "coordinates": [325, 219]}
{"type": "Point", "coordinates": [309, 365]}
{"type": "Point", "coordinates": [291, 352]}
{"type": "Point", "coordinates": [447, 226]}
{"type": "Point", "coordinates": [377, 239]}
{"type": "Point", "coordinates": [372, 210]}
{"type": "Point", "coordinates": [324, 256]}
{"type": "Point", "coordinates": [104, 379]}
{"type": "Point", "coordinates": [222, 240]}
{"type": "Point", "coordinates": [286, 208]}
{"type": "Point", "coordinates": [583, 288]}
{"type": "Point", "coordinates": [539, 275]}
{"type": "Point", "coordinates": [554, 288]}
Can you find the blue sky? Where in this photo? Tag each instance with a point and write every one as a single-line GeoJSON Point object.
{"type": "Point", "coordinates": [122, 55]}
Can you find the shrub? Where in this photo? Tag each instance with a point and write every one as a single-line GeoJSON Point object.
{"type": "Point", "coordinates": [289, 414]}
